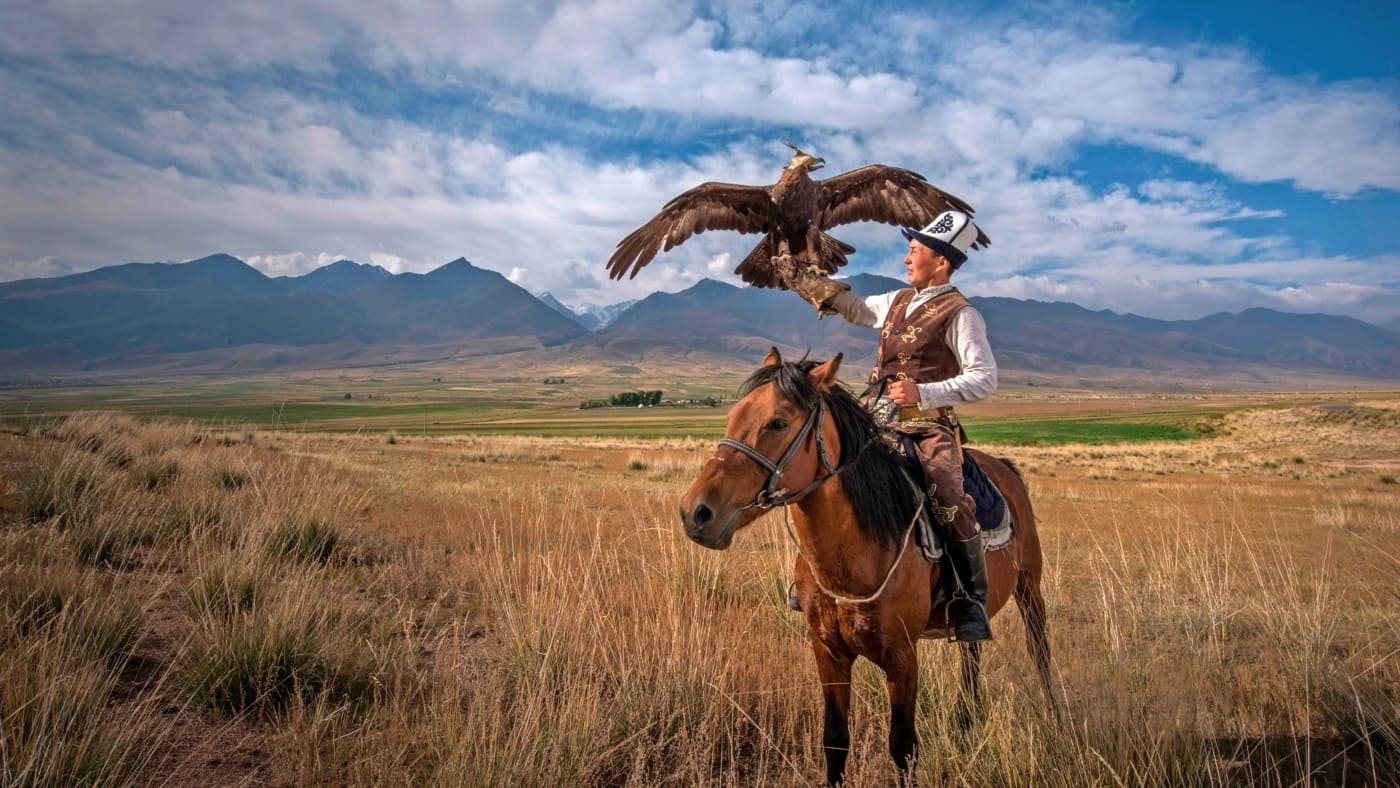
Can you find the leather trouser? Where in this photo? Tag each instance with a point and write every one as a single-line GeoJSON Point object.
{"type": "Point", "coordinates": [941, 459]}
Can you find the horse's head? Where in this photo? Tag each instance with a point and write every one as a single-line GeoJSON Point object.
{"type": "Point", "coordinates": [776, 443]}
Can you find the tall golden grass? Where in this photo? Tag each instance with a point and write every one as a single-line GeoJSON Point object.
{"type": "Point", "coordinates": [179, 605]}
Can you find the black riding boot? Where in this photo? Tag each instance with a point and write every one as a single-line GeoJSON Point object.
{"type": "Point", "coordinates": [968, 610]}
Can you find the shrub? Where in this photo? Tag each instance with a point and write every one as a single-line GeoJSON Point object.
{"type": "Point", "coordinates": [29, 602]}
{"type": "Point", "coordinates": [57, 728]}
{"type": "Point", "coordinates": [307, 541]}
{"type": "Point", "coordinates": [292, 648]}
{"type": "Point", "coordinates": [231, 479]}
{"type": "Point", "coordinates": [57, 484]}
{"type": "Point", "coordinates": [100, 545]}
{"type": "Point", "coordinates": [76, 610]}
{"type": "Point", "coordinates": [225, 590]}
{"type": "Point", "coordinates": [154, 473]}
{"type": "Point", "coordinates": [185, 519]}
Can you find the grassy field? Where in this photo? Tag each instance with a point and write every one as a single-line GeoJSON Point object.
{"type": "Point", "coordinates": [186, 603]}
{"type": "Point", "coordinates": [425, 402]}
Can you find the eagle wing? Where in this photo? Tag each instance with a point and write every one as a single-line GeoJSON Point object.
{"type": "Point", "coordinates": [709, 206]}
{"type": "Point", "coordinates": [892, 195]}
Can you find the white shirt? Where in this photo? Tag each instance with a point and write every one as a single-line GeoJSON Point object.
{"type": "Point", "coordinates": [967, 336]}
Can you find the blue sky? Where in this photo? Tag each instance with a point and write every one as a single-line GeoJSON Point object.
{"type": "Point", "coordinates": [1169, 159]}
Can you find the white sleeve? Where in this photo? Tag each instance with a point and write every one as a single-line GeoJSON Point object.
{"type": "Point", "coordinates": [967, 336]}
{"type": "Point", "coordinates": [862, 311]}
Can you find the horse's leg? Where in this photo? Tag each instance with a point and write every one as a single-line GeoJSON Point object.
{"type": "Point", "coordinates": [970, 701]}
{"type": "Point", "coordinates": [1032, 606]}
{"type": "Point", "coordinates": [835, 672]}
{"type": "Point", "coordinates": [902, 681]}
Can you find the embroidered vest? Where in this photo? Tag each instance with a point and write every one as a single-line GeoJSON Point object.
{"type": "Point", "coordinates": [914, 347]}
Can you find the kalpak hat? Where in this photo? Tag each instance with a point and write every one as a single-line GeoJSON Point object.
{"type": "Point", "coordinates": [950, 234]}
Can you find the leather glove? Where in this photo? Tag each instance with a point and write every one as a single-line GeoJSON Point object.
{"type": "Point", "coordinates": [815, 288]}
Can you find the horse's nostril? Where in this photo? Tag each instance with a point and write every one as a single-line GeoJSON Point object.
{"type": "Point", "coordinates": [703, 514]}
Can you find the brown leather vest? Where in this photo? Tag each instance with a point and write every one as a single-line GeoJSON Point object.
{"type": "Point", "coordinates": [915, 347]}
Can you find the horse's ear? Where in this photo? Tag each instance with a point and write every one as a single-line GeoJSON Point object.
{"type": "Point", "coordinates": [824, 374]}
{"type": "Point", "coordinates": [772, 359]}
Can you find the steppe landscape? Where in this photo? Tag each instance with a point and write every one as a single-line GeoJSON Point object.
{"type": "Point", "coordinates": [355, 358]}
{"type": "Point", "coordinates": [224, 598]}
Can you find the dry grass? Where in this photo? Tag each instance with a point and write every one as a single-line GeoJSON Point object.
{"type": "Point", "coordinates": [179, 607]}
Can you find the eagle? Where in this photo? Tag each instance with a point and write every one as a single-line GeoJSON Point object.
{"type": "Point", "coordinates": [793, 214]}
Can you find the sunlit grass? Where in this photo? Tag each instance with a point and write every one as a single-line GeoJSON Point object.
{"type": "Point", "coordinates": [524, 610]}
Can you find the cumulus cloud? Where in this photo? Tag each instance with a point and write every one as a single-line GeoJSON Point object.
{"type": "Point", "coordinates": [1214, 106]}
{"type": "Point", "coordinates": [43, 268]}
{"type": "Point", "coordinates": [531, 136]}
{"type": "Point", "coordinates": [291, 263]}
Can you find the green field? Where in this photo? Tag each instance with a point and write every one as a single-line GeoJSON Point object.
{"type": "Point", "coordinates": [429, 401]}
{"type": "Point", "coordinates": [1049, 432]}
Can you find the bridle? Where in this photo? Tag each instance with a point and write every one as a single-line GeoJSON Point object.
{"type": "Point", "coordinates": [772, 495]}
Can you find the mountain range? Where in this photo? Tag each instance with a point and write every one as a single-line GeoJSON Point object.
{"type": "Point", "coordinates": [218, 313]}
{"type": "Point", "coordinates": [590, 316]}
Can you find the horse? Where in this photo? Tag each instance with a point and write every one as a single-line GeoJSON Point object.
{"type": "Point", "coordinates": [863, 591]}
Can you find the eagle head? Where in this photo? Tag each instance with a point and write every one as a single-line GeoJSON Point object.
{"type": "Point", "coordinates": [803, 161]}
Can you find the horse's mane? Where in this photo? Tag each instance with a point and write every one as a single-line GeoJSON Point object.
{"type": "Point", "coordinates": [875, 481]}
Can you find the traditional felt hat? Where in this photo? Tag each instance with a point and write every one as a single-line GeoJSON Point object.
{"type": "Point", "coordinates": [950, 234]}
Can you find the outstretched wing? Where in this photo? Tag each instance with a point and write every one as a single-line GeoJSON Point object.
{"type": "Point", "coordinates": [709, 206]}
{"type": "Point", "coordinates": [891, 195]}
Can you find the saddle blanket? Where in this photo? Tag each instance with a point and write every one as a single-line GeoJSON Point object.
{"type": "Point", "coordinates": [993, 515]}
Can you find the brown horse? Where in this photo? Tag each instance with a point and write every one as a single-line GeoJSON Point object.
{"type": "Point", "coordinates": [798, 439]}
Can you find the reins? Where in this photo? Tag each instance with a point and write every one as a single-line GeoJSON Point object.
{"type": "Point", "coordinates": [772, 495]}
{"type": "Point", "coordinates": [846, 600]}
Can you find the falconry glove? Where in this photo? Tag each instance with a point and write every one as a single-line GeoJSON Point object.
{"type": "Point", "coordinates": [816, 288]}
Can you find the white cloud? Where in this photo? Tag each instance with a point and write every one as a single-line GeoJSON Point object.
{"type": "Point", "coordinates": [1218, 107]}
{"type": "Point", "coordinates": [290, 263]}
{"type": "Point", "coordinates": [43, 268]}
{"type": "Point", "coordinates": [137, 164]}
{"type": "Point", "coordinates": [1156, 288]}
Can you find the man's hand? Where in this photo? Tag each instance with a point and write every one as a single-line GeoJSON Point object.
{"type": "Point", "coordinates": [905, 392]}
{"type": "Point", "coordinates": [813, 286]}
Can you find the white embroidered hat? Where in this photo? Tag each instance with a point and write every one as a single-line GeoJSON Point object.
{"type": "Point", "coordinates": [950, 234]}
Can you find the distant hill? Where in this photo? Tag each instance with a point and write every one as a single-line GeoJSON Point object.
{"type": "Point", "coordinates": [123, 314]}
{"type": "Point", "coordinates": [1393, 324]}
{"type": "Point", "coordinates": [219, 313]}
{"type": "Point", "coordinates": [460, 301]}
{"type": "Point", "coordinates": [342, 276]}
{"type": "Point", "coordinates": [1054, 338]}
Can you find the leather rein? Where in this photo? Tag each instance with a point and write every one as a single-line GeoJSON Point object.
{"type": "Point", "coordinates": [772, 495]}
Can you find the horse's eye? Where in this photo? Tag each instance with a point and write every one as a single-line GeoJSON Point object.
{"type": "Point", "coordinates": [778, 425]}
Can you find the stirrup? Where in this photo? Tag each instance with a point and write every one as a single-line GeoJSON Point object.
{"type": "Point", "coordinates": [793, 603]}
{"type": "Point", "coordinates": [965, 630]}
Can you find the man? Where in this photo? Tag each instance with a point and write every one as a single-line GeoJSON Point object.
{"type": "Point", "coordinates": [935, 355]}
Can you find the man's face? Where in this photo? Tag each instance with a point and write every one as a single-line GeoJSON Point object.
{"type": "Point", "coordinates": [925, 267]}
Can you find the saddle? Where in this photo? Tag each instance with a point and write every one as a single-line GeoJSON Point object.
{"type": "Point", "coordinates": [993, 515]}
{"type": "Point", "coordinates": [991, 505]}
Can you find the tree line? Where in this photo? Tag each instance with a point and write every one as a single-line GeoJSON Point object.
{"type": "Point", "coordinates": [624, 400]}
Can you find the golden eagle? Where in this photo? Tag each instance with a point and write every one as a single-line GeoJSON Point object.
{"type": "Point", "coordinates": [794, 214]}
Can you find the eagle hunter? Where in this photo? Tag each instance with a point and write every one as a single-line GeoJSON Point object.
{"type": "Point", "coordinates": [794, 215]}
